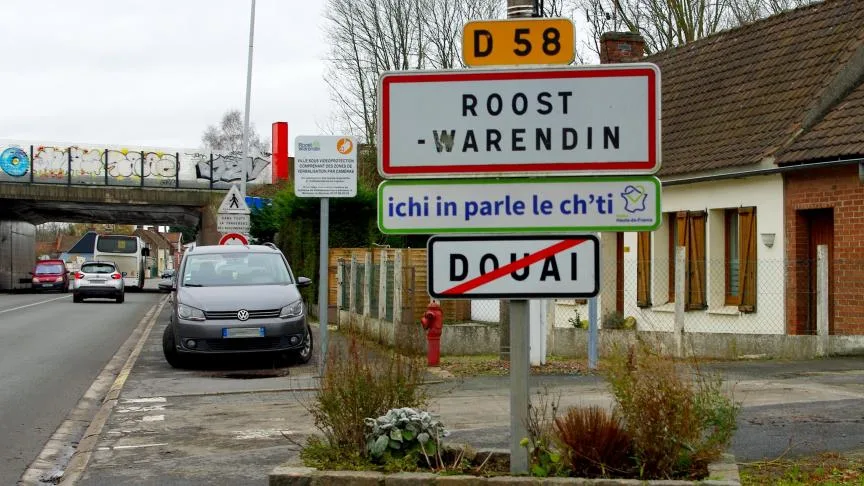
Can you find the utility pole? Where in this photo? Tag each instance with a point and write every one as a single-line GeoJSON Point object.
{"type": "Point", "coordinates": [244, 161]}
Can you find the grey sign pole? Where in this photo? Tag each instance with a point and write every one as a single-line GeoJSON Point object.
{"type": "Point", "coordinates": [323, 280]}
{"type": "Point", "coordinates": [520, 334]}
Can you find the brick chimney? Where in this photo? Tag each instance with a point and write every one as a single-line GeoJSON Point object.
{"type": "Point", "coordinates": [618, 47]}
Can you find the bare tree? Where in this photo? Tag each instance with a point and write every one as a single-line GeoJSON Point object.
{"type": "Point", "coordinates": [444, 22]}
{"type": "Point", "coordinates": [748, 11]}
{"type": "Point", "coordinates": [369, 37]}
{"type": "Point", "coordinates": [228, 135]}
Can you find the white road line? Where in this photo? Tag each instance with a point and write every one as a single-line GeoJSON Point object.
{"type": "Point", "coordinates": [153, 418]}
{"type": "Point", "coordinates": [139, 446]}
{"type": "Point", "coordinates": [145, 400]}
{"type": "Point", "coordinates": [154, 408]}
{"type": "Point", "coordinates": [31, 305]}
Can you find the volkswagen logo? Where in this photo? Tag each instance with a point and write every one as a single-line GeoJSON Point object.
{"type": "Point", "coordinates": [243, 314]}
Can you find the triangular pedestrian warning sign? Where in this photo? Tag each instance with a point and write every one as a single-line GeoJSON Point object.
{"type": "Point", "coordinates": [234, 203]}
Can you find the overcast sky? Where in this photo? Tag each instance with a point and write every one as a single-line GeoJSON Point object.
{"type": "Point", "coordinates": [157, 72]}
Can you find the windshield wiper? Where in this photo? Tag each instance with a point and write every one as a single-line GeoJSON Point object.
{"type": "Point", "coordinates": [192, 285]}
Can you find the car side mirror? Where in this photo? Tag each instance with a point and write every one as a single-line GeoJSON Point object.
{"type": "Point", "coordinates": [303, 282]}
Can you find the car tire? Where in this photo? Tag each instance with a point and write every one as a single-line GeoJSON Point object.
{"type": "Point", "coordinates": [121, 298]}
{"type": "Point", "coordinates": [77, 298]}
{"type": "Point", "coordinates": [169, 349]}
{"type": "Point", "coordinates": [305, 353]}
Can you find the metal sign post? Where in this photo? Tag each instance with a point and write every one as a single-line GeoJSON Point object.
{"type": "Point", "coordinates": [324, 167]}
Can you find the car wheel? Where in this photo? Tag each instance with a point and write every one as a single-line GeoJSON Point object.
{"type": "Point", "coordinates": [169, 349]}
{"type": "Point", "coordinates": [305, 353]}
{"type": "Point", "coordinates": [77, 298]}
{"type": "Point", "coordinates": [121, 298]}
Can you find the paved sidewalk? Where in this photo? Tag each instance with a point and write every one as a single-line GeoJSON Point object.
{"type": "Point", "coordinates": [191, 427]}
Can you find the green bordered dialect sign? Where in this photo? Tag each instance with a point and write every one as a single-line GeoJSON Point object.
{"type": "Point", "coordinates": [519, 205]}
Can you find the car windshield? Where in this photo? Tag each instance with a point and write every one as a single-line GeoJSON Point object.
{"type": "Point", "coordinates": [97, 268]}
{"type": "Point", "coordinates": [230, 269]}
{"type": "Point", "coordinates": [50, 268]}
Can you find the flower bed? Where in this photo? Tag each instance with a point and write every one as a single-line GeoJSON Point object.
{"type": "Point", "coordinates": [721, 473]}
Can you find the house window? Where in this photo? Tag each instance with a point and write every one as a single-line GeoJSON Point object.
{"type": "Point", "coordinates": [740, 243]}
{"type": "Point", "coordinates": [643, 269]}
{"type": "Point", "coordinates": [688, 230]}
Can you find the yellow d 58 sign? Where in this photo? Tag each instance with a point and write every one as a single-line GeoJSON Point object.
{"type": "Point", "coordinates": [518, 41]}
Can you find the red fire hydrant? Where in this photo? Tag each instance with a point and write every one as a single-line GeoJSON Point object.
{"type": "Point", "coordinates": [433, 322]}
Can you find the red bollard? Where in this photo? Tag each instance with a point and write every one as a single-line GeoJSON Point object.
{"type": "Point", "coordinates": [433, 322]}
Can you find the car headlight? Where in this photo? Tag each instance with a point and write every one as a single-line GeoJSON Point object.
{"type": "Point", "coordinates": [292, 310]}
{"type": "Point", "coordinates": [35, 280]}
{"type": "Point", "coordinates": [189, 313]}
{"type": "Point", "coordinates": [58, 279]}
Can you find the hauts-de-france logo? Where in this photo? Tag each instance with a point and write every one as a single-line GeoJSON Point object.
{"type": "Point", "coordinates": [344, 146]}
{"type": "Point", "coordinates": [634, 198]}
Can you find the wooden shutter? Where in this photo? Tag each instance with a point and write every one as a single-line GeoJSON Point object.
{"type": "Point", "coordinates": [747, 258]}
{"type": "Point", "coordinates": [643, 269]}
{"type": "Point", "coordinates": [696, 261]}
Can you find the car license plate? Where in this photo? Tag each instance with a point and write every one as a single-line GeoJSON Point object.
{"type": "Point", "coordinates": [47, 285]}
{"type": "Point", "coordinates": [242, 332]}
{"type": "Point", "coordinates": [97, 280]}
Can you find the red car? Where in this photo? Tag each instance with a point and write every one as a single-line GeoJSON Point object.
{"type": "Point", "coordinates": [50, 275]}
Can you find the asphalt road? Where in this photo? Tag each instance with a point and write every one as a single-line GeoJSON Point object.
{"type": "Point", "coordinates": [51, 350]}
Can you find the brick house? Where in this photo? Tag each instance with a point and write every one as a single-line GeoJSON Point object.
{"type": "Point", "coordinates": [763, 159]}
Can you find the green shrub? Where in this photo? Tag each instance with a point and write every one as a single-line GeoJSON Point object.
{"type": "Point", "coordinates": [544, 458]}
{"type": "Point", "coordinates": [614, 320]}
{"type": "Point", "coordinates": [358, 384]}
{"type": "Point", "coordinates": [594, 442]}
{"type": "Point", "coordinates": [679, 419]}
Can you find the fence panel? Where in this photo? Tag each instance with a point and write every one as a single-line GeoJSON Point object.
{"type": "Point", "coordinates": [346, 282]}
{"type": "Point", "coordinates": [359, 285]}
{"type": "Point", "coordinates": [390, 270]}
{"type": "Point", "coordinates": [373, 289]}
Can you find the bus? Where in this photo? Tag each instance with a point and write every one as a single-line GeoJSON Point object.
{"type": "Point", "coordinates": [128, 253]}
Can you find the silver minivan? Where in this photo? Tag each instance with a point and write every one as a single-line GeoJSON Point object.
{"type": "Point", "coordinates": [234, 299]}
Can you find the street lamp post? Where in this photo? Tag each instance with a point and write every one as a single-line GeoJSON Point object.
{"type": "Point", "coordinates": [245, 159]}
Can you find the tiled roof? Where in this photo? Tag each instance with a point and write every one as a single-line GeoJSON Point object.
{"type": "Point", "coordinates": [839, 135]}
{"type": "Point", "coordinates": [731, 99]}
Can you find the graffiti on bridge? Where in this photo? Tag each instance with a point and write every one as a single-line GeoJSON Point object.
{"type": "Point", "coordinates": [228, 167]}
{"type": "Point", "coordinates": [124, 166]}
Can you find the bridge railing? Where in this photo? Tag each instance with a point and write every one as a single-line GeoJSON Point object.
{"type": "Point", "coordinates": [25, 162]}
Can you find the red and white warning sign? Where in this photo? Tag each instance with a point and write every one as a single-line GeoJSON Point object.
{"type": "Point", "coordinates": [233, 239]}
{"type": "Point", "coordinates": [513, 267]}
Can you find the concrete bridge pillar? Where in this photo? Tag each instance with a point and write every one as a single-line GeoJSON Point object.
{"type": "Point", "coordinates": [17, 254]}
{"type": "Point", "coordinates": [208, 235]}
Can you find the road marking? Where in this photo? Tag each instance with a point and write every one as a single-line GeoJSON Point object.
{"type": "Point", "coordinates": [139, 446]}
{"type": "Point", "coordinates": [154, 408]}
{"type": "Point", "coordinates": [261, 434]}
{"type": "Point", "coordinates": [31, 305]}
{"type": "Point", "coordinates": [153, 418]}
{"type": "Point", "coordinates": [145, 400]}
{"type": "Point", "coordinates": [515, 266]}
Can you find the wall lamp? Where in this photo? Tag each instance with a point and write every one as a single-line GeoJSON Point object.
{"type": "Point", "coordinates": [768, 239]}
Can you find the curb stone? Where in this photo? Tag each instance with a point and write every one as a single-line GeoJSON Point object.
{"type": "Point", "coordinates": [722, 473]}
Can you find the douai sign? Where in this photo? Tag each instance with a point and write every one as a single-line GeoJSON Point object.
{"type": "Point", "coordinates": [550, 121]}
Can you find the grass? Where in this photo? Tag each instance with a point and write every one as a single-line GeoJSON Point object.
{"type": "Point", "coordinates": [490, 365]}
{"type": "Point", "coordinates": [826, 469]}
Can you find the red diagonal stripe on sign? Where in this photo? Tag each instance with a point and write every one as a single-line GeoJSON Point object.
{"type": "Point", "coordinates": [514, 266]}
